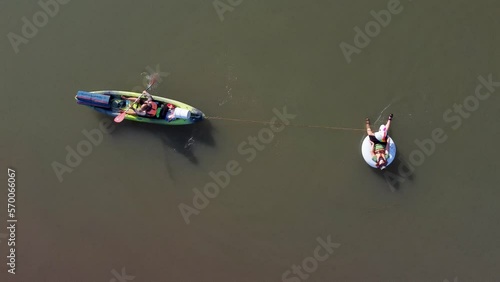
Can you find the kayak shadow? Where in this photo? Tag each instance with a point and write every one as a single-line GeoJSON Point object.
{"type": "Point", "coordinates": [183, 139]}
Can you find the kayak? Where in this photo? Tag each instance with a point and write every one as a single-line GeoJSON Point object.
{"type": "Point", "coordinates": [366, 151]}
{"type": "Point", "coordinates": [110, 102]}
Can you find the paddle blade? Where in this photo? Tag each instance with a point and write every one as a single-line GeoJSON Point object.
{"type": "Point", "coordinates": [119, 118]}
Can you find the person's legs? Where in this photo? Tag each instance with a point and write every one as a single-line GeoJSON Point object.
{"type": "Point", "coordinates": [374, 139]}
{"type": "Point", "coordinates": [130, 99]}
{"type": "Point", "coordinates": [388, 124]}
{"type": "Point", "coordinates": [368, 129]}
{"type": "Point", "coordinates": [372, 135]}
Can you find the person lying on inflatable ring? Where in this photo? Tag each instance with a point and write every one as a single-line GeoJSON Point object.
{"type": "Point", "coordinates": [378, 141]}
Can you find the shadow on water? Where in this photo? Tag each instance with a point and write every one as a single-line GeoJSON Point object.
{"type": "Point", "coordinates": [183, 139]}
{"type": "Point", "coordinates": [397, 173]}
{"type": "Point", "coordinates": [180, 139]}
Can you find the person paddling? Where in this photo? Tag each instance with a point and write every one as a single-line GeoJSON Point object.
{"type": "Point", "coordinates": [378, 140]}
{"type": "Point", "coordinates": [148, 108]}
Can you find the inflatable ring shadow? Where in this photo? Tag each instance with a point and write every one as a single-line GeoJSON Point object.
{"type": "Point", "coordinates": [398, 173]}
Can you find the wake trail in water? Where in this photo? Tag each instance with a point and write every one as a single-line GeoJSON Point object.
{"type": "Point", "coordinates": [382, 113]}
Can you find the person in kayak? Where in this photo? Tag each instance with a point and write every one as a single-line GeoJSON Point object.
{"type": "Point", "coordinates": [379, 149]}
{"type": "Point", "coordinates": [170, 112]}
{"type": "Point", "coordinates": [147, 108]}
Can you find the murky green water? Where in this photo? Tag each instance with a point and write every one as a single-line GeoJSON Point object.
{"type": "Point", "coordinates": [118, 209]}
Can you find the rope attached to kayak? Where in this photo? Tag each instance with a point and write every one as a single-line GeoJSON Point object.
{"type": "Point", "coordinates": [291, 125]}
